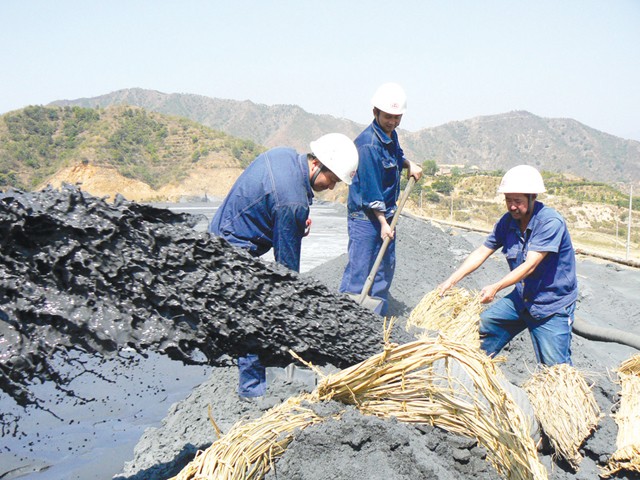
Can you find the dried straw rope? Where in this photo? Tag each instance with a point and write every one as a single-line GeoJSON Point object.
{"type": "Point", "coordinates": [455, 315]}
{"type": "Point", "coordinates": [627, 455]}
{"type": "Point", "coordinates": [565, 407]}
{"type": "Point", "coordinates": [401, 382]}
{"type": "Point", "coordinates": [248, 450]}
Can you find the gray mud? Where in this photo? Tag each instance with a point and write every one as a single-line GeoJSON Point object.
{"type": "Point", "coordinates": [110, 291]}
{"type": "Point", "coordinates": [356, 446]}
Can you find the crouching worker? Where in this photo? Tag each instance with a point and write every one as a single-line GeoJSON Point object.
{"type": "Point", "coordinates": [268, 207]}
{"type": "Point", "coordinates": [536, 243]}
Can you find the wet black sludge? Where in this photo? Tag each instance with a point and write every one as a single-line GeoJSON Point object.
{"type": "Point", "coordinates": [79, 273]}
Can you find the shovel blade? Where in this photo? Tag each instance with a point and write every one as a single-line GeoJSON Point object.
{"type": "Point", "coordinates": [372, 303]}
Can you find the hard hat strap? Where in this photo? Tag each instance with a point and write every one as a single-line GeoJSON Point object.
{"type": "Point", "coordinates": [321, 168]}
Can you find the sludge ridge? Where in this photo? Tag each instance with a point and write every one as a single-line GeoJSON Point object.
{"type": "Point", "coordinates": [79, 273]}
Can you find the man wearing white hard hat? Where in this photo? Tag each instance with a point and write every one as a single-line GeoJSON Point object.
{"type": "Point", "coordinates": [268, 207]}
{"type": "Point", "coordinates": [373, 195]}
{"type": "Point", "coordinates": [537, 245]}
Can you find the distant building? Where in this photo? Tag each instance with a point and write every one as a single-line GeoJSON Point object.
{"type": "Point", "coordinates": [447, 170]}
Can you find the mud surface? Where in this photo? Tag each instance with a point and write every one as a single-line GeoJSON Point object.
{"type": "Point", "coordinates": [107, 309]}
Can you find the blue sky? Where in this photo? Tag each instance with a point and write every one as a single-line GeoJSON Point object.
{"type": "Point", "coordinates": [457, 59]}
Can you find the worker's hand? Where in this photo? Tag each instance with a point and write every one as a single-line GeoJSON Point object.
{"type": "Point", "coordinates": [307, 228]}
{"type": "Point", "coordinates": [488, 293]}
{"type": "Point", "coordinates": [414, 171]}
{"type": "Point", "coordinates": [385, 231]}
{"type": "Point", "coordinates": [444, 286]}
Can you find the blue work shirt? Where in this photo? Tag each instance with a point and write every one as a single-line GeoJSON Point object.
{"type": "Point", "coordinates": [268, 206]}
{"type": "Point", "coordinates": [376, 184]}
{"type": "Point", "coordinates": [553, 285]}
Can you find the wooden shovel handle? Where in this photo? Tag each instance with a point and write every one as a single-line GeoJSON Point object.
{"type": "Point", "coordinates": [385, 243]}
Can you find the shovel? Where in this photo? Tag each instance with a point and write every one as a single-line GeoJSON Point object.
{"type": "Point", "coordinates": [363, 298]}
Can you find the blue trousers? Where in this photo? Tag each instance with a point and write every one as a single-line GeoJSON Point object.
{"type": "Point", "coordinates": [364, 245]}
{"type": "Point", "coordinates": [253, 376]}
{"type": "Point", "coordinates": [551, 336]}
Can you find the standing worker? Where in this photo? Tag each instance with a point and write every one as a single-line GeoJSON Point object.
{"type": "Point", "coordinates": [374, 193]}
{"type": "Point", "coordinates": [268, 207]}
{"type": "Point", "coordinates": [542, 263]}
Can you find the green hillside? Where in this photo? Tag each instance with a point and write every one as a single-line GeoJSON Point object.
{"type": "Point", "coordinates": [157, 149]}
{"type": "Point", "coordinates": [488, 142]}
{"type": "Point", "coordinates": [37, 143]}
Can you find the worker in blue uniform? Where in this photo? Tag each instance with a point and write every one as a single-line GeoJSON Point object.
{"type": "Point", "coordinates": [536, 243]}
{"type": "Point", "coordinates": [268, 207]}
{"type": "Point", "coordinates": [373, 195]}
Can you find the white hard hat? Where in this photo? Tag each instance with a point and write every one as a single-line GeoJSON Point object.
{"type": "Point", "coordinates": [338, 153]}
{"type": "Point", "coordinates": [390, 98]}
{"type": "Point", "coordinates": [522, 179]}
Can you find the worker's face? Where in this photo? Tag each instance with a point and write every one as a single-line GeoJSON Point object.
{"type": "Point", "coordinates": [387, 122]}
{"type": "Point", "coordinates": [517, 204]}
{"type": "Point", "coordinates": [326, 180]}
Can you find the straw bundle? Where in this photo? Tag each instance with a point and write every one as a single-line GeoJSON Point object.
{"type": "Point", "coordinates": [414, 383]}
{"type": "Point", "coordinates": [433, 381]}
{"type": "Point", "coordinates": [565, 407]}
{"type": "Point", "coordinates": [627, 455]}
{"type": "Point", "coordinates": [248, 449]}
{"type": "Point", "coordinates": [455, 315]}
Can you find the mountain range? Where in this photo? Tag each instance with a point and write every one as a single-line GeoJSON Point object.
{"type": "Point", "coordinates": [495, 142]}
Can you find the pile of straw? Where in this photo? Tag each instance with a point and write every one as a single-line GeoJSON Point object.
{"type": "Point", "coordinates": [431, 381]}
{"type": "Point", "coordinates": [627, 454]}
{"type": "Point", "coordinates": [248, 450]}
{"type": "Point", "coordinates": [565, 407]}
{"type": "Point", "coordinates": [407, 382]}
{"type": "Point", "coordinates": [455, 315]}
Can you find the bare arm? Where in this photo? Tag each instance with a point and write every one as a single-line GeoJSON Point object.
{"type": "Point", "coordinates": [471, 263]}
{"type": "Point", "coordinates": [488, 293]}
{"type": "Point", "coordinates": [413, 169]}
{"type": "Point", "coordinates": [385, 228]}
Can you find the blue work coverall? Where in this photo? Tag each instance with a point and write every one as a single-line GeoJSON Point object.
{"type": "Point", "coordinates": [267, 207]}
{"type": "Point", "coordinates": [544, 302]}
{"type": "Point", "coordinates": [376, 186]}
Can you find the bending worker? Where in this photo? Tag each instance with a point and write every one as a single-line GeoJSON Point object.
{"type": "Point", "coordinates": [374, 193]}
{"type": "Point", "coordinates": [541, 258]}
{"type": "Point", "coordinates": [268, 207]}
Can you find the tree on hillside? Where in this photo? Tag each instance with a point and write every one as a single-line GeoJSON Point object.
{"type": "Point", "coordinates": [429, 167]}
{"type": "Point", "coordinates": [443, 185]}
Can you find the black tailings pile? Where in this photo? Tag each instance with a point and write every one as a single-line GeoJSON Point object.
{"type": "Point", "coordinates": [79, 273]}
